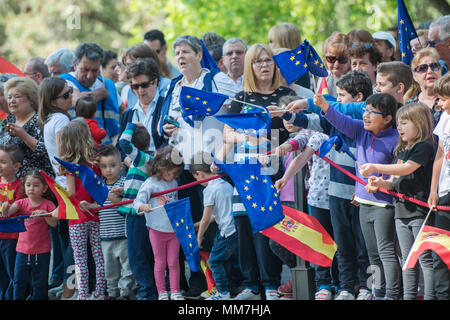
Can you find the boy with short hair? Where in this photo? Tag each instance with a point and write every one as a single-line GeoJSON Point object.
{"type": "Point", "coordinates": [11, 158]}
{"type": "Point", "coordinates": [217, 201]}
{"type": "Point", "coordinates": [134, 142]}
{"type": "Point", "coordinates": [113, 239]}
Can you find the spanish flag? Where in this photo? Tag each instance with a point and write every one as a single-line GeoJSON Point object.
{"type": "Point", "coordinates": [431, 238]}
{"type": "Point", "coordinates": [323, 88]}
{"type": "Point", "coordinates": [304, 236]}
{"type": "Point", "coordinates": [68, 206]}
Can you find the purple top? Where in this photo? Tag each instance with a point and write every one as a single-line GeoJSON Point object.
{"type": "Point", "coordinates": [369, 149]}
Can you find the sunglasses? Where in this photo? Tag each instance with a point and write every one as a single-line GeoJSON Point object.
{"type": "Point", "coordinates": [66, 94]}
{"type": "Point", "coordinates": [333, 59]}
{"type": "Point", "coordinates": [143, 85]}
{"type": "Point", "coordinates": [434, 66]}
{"type": "Point", "coordinates": [432, 43]}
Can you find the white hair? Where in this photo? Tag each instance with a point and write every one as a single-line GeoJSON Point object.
{"type": "Point", "coordinates": [444, 27]}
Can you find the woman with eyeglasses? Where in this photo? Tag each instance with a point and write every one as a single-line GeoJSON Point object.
{"type": "Point", "coordinates": [426, 70]}
{"type": "Point", "coordinates": [336, 51]}
{"type": "Point", "coordinates": [55, 99]}
{"type": "Point", "coordinates": [20, 126]}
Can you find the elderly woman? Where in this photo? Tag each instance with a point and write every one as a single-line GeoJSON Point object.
{"type": "Point", "coordinates": [261, 84]}
{"type": "Point", "coordinates": [426, 70]}
{"type": "Point", "coordinates": [20, 126]}
{"type": "Point", "coordinates": [3, 104]}
{"type": "Point", "coordinates": [336, 51]}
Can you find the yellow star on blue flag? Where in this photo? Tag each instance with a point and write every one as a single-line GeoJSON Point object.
{"type": "Point", "coordinates": [93, 184]}
{"type": "Point", "coordinates": [406, 32]}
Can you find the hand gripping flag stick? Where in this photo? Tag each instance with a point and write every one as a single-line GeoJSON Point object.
{"type": "Point", "coordinates": [337, 142]}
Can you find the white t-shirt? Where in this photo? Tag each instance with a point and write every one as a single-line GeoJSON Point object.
{"type": "Point", "coordinates": [56, 122]}
{"type": "Point", "coordinates": [442, 130]}
{"type": "Point", "coordinates": [219, 193]}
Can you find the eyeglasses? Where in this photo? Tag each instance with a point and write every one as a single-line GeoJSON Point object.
{"type": "Point", "coordinates": [158, 50]}
{"type": "Point", "coordinates": [434, 66]}
{"type": "Point", "coordinates": [432, 43]}
{"type": "Point", "coordinates": [143, 85]}
{"type": "Point", "coordinates": [371, 112]}
{"type": "Point", "coordinates": [259, 63]}
{"type": "Point", "coordinates": [333, 59]}
{"type": "Point", "coordinates": [66, 94]}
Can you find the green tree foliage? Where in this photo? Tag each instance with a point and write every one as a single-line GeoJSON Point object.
{"type": "Point", "coordinates": [31, 28]}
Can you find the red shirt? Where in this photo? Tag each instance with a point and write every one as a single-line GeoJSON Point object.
{"type": "Point", "coordinates": [36, 239]}
{"type": "Point", "coordinates": [97, 133]}
{"type": "Point", "coordinates": [10, 192]}
{"type": "Point", "coordinates": [81, 194]}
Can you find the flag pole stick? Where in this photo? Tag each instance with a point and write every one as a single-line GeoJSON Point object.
{"type": "Point", "coordinates": [415, 240]}
{"type": "Point", "coordinates": [250, 104]}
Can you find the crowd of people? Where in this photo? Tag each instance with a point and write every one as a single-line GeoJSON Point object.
{"type": "Point", "coordinates": [120, 114]}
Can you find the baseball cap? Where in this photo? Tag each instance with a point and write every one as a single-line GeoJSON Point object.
{"type": "Point", "coordinates": [383, 35]}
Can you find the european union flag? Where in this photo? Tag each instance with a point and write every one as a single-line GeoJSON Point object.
{"type": "Point", "coordinates": [406, 32]}
{"type": "Point", "coordinates": [93, 184]}
{"type": "Point", "coordinates": [199, 103]}
{"type": "Point", "coordinates": [252, 121]}
{"type": "Point", "coordinates": [179, 213]}
{"type": "Point", "coordinates": [15, 224]}
{"type": "Point", "coordinates": [292, 63]}
{"type": "Point", "coordinates": [208, 61]}
{"type": "Point", "coordinates": [315, 64]}
{"type": "Point", "coordinates": [257, 193]}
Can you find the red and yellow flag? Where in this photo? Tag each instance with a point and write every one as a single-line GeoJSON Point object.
{"type": "Point", "coordinates": [431, 238]}
{"type": "Point", "coordinates": [323, 88]}
{"type": "Point", "coordinates": [304, 236]}
{"type": "Point", "coordinates": [68, 206]}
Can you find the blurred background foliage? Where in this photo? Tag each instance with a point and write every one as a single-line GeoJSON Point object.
{"type": "Point", "coordinates": [31, 28]}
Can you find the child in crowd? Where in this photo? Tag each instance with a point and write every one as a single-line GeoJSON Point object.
{"type": "Point", "coordinates": [162, 171]}
{"type": "Point", "coordinates": [318, 199]}
{"type": "Point", "coordinates": [410, 175]}
{"type": "Point", "coordinates": [34, 245]}
{"type": "Point", "coordinates": [376, 139]}
{"type": "Point", "coordinates": [119, 278]}
{"type": "Point", "coordinates": [75, 145]}
{"type": "Point", "coordinates": [440, 185]}
{"type": "Point", "coordinates": [134, 142]}
{"type": "Point", "coordinates": [10, 191]}
{"type": "Point", "coordinates": [258, 264]}
{"type": "Point", "coordinates": [217, 201]}
{"type": "Point", "coordinates": [86, 107]}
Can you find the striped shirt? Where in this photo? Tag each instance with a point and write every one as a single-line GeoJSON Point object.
{"type": "Point", "coordinates": [112, 224]}
{"type": "Point", "coordinates": [137, 173]}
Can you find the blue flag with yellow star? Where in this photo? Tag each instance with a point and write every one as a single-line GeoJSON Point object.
{"type": "Point", "coordinates": [14, 224]}
{"type": "Point", "coordinates": [93, 184]}
{"type": "Point", "coordinates": [208, 61]}
{"type": "Point", "coordinates": [294, 63]}
{"type": "Point", "coordinates": [179, 213]}
{"type": "Point", "coordinates": [252, 120]}
{"type": "Point", "coordinates": [315, 64]}
{"type": "Point", "coordinates": [406, 32]}
{"type": "Point", "coordinates": [257, 193]}
{"type": "Point", "coordinates": [198, 103]}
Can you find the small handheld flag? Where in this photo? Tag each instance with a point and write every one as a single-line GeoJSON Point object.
{"type": "Point", "coordinates": [323, 88]}
{"type": "Point", "coordinates": [68, 206]}
{"type": "Point", "coordinates": [337, 142]}
{"type": "Point", "coordinates": [257, 193]}
{"type": "Point", "coordinates": [14, 224]}
{"type": "Point", "coordinates": [179, 213]}
{"type": "Point", "coordinates": [304, 236]}
{"type": "Point", "coordinates": [199, 103]}
{"type": "Point", "coordinates": [251, 121]}
{"type": "Point", "coordinates": [406, 32]}
{"type": "Point", "coordinates": [208, 61]}
{"type": "Point", "coordinates": [315, 64]}
{"type": "Point", "coordinates": [93, 184]}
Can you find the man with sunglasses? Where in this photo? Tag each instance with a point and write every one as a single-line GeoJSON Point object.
{"type": "Point", "coordinates": [439, 38]}
{"type": "Point", "coordinates": [86, 80]}
{"type": "Point", "coordinates": [155, 40]}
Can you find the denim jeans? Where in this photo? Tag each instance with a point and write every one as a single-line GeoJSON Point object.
{"type": "Point", "coordinates": [140, 256]}
{"type": "Point", "coordinates": [60, 241]}
{"type": "Point", "coordinates": [31, 269]}
{"type": "Point", "coordinates": [7, 263]}
{"type": "Point", "coordinates": [224, 251]}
